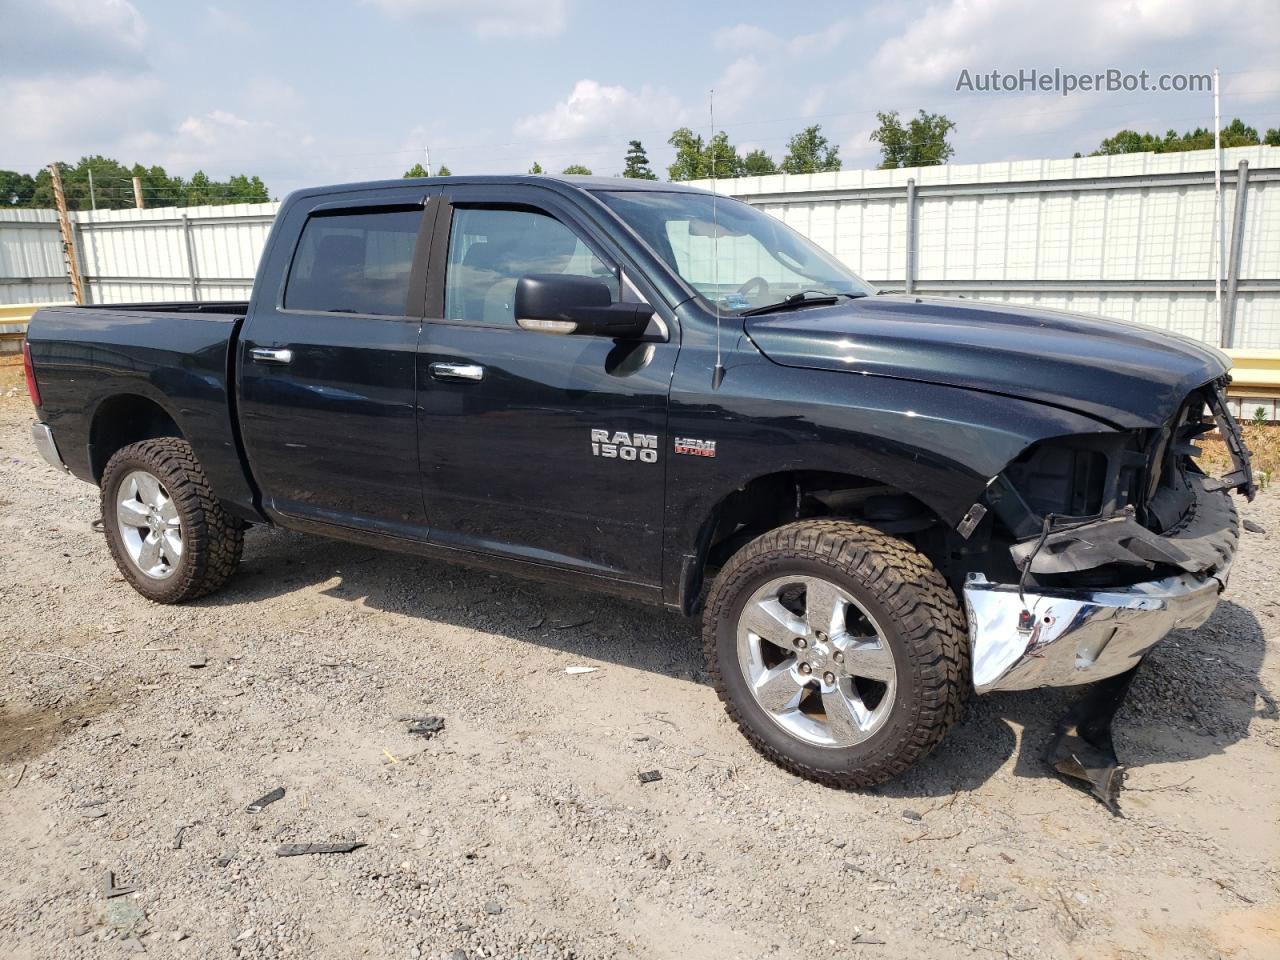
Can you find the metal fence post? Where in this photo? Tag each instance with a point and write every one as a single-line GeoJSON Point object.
{"type": "Point", "coordinates": [910, 284]}
{"type": "Point", "coordinates": [1228, 319]}
{"type": "Point", "coordinates": [191, 257]}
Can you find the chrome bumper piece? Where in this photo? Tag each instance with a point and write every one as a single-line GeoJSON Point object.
{"type": "Point", "coordinates": [45, 443]}
{"type": "Point", "coordinates": [1076, 636]}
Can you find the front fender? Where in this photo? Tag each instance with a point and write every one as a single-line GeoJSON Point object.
{"type": "Point", "coordinates": [939, 444]}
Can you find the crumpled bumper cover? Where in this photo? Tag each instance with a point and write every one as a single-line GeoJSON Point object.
{"type": "Point", "coordinates": [1077, 636]}
{"type": "Point", "coordinates": [1206, 539]}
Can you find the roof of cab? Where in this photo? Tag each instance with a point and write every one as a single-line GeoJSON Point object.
{"type": "Point", "coordinates": [557, 181]}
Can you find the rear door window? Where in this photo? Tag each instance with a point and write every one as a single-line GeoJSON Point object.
{"type": "Point", "coordinates": [354, 262]}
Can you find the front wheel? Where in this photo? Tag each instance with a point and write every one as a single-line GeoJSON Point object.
{"type": "Point", "coordinates": [169, 535]}
{"type": "Point", "coordinates": [839, 651]}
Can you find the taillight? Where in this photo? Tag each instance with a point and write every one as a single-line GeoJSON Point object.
{"type": "Point", "coordinates": [33, 390]}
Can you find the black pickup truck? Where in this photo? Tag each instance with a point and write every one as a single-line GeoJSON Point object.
{"type": "Point", "coordinates": [878, 503]}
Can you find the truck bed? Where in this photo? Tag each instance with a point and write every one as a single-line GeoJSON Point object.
{"type": "Point", "coordinates": [95, 363]}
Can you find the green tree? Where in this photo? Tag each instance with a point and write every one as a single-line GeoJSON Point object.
{"type": "Point", "coordinates": [444, 171]}
{"type": "Point", "coordinates": [578, 169]}
{"type": "Point", "coordinates": [158, 188]}
{"type": "Point", "coordinates": [757, 163]}
{"type": "Point", "coordinates": [246, 189]}
{"type": "Point", "coordinates": [199, 190]}
{"type": "Point", "coordinates": [922, 142]}
{"type": "Point", "coordinates": [417, 170]}
{"type": "Point", "coordinates": [810, 152]}
{"type": "Point", "coordinates": [722, 158]}
{"type": "Point", "coordinates": [1272, 138]}
{"type": "Point", "coordinates": [16, 189]}
{"type": "Point", "coordinates": [637, 163]}
{"type": "Point", "coordinates": [699, 160]}
{"type": "Point", "coordinates": [689, 161]}
{"type": "Point", "coordinates": [536, 168]}
{"type": "Point", "coordinates": [113, 187]}
{"type": "Point", "coordinates": [1235, 134]}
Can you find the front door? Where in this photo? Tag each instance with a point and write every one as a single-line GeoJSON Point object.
{"type": "Point", "coordinates": [327, 365]}
{"type": "Point", "coordinates": [545, 448]}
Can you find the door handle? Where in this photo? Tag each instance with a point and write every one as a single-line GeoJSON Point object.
{"type": "Point", "coordinates": [271, 355]}
{"type": "Point", "coordinates": [457, 371]}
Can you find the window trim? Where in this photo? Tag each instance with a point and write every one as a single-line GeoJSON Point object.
{"type": "Point", "coordinates": [418, 263]}
{"type": "Point", "coordinates": [444, 231]}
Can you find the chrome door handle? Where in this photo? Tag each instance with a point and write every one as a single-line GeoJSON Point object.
{"type": "Point", "coordinates": [457, 371]}
{"type": "Point", "coordinates": [271, 355]}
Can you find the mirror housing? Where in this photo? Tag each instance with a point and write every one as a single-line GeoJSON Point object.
{"type": "Point", "coordinates": [565, 304]}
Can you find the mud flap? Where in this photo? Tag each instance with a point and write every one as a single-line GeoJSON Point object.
{"type": "Point", "coordinates": [1082, 747]}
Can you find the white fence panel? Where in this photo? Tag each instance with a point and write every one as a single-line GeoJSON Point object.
{"type": "Point", "coordinates": [31, 264]}
{"type": "Point", "coordinates": [1133, 237]}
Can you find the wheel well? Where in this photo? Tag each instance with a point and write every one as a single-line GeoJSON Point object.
{"type": "Point", "coordinates": [122, 420]}
{"type": "Point", "coordinates": [776, 499]}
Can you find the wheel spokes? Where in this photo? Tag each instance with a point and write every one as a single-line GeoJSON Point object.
{"type": "Point", "coordinates": [148, 489]}
{"type": "Point", "coordinates": [770, 620]}
{"type": "Point", "coordinates": [149, 554]}
{"type": "Point", "coordinates": [777, 689]}
{"type": "Point", "coordinates": [824, 607]}
{"type": "Point", "coordinates": [868, 657]}
{"type": "Point", "coordinates": [171, 546]}
{"type": "Point", "coordinates": [169, 512]}
{"type": "Point", "coordinates": [847, 718]}
{"type": "Point", "coordinates": [131, 513]}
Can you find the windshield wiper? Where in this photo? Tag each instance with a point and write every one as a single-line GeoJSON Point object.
{"type": "Point", "coordinates": [804, 298]}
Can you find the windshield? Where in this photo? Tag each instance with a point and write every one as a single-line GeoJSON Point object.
{"type": "Point", "coordinates": [740, 258]}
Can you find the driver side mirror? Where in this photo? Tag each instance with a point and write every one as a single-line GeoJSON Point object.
{"type": "Point", "coordinates": [565, 304]}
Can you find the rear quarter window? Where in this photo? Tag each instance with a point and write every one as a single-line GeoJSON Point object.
{"type": "Point", "coordinates": [357, 262]}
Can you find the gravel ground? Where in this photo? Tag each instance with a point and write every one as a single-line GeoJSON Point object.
{"type": "Point", "coordinates": [133, 736]}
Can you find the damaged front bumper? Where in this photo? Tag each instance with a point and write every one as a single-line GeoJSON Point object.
{"type": "Point", "coordinates": [1069, 637]}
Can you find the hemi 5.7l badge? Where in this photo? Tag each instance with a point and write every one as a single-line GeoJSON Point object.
{"type": "Point", "coordinates": [695, 448]}
{"type": "Point", "coordinates": [620, 445]}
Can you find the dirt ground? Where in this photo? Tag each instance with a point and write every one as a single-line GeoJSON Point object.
{"type": "Point", "coordinates": [132, 737]}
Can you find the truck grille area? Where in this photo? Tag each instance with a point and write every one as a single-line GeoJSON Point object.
{"type": "Point", "coordinates": [1098, 504]}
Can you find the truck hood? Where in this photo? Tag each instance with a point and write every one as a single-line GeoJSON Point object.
{"type": "Point", "coordinates": [1125, 374]}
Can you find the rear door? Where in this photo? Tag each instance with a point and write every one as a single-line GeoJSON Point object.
{"type": "Point", "coordinates": [327, 363]}
{"type": "Point", "coordinates": [545, 448]}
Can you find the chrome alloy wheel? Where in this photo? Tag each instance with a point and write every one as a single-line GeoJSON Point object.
{"type": "Point", "coordinates": [149, 526]}
{"type": "Point", "coordinates": [816, 661]}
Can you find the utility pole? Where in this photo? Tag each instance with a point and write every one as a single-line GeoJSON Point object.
{"type": "Point", "coordinates": [1219, 212]}
{"type": "Point", "coordinates": [427, 151]}
{"type": "Point", "coordinates": [68, 236]}
{"type": "Point", "coordinates": [137, 193]}
{"type": "Point", "coordinates": [93, 200]}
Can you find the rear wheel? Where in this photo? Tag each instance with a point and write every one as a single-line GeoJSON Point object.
{"type": "Point", "coordinates": [839, 651]}
{"type": "Point", "coordinates": [168, 534]}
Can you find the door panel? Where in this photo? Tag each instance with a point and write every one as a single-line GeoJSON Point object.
{"type": "Point", "coordinates": [328, 374]}
{"type": "Point", "coordinates": [557, 454]}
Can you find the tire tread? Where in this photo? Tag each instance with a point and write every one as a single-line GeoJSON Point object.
{"type": "Point", "coordinates": [905, 581]}
{"type": "Point", "coordinates": [214, 539]}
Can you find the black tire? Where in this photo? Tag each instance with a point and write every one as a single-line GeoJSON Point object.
{"type": "Point", "coordinates": [920, 621]}
{"type": "Point", "coordinates": [212, 540]}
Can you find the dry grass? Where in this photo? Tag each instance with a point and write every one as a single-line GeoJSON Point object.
{"type": "Point", "coordinates": [1264, 444]}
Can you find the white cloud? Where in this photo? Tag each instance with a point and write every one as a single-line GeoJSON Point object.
{"type": "Point", "coordinates": [743, 37]}
{"type": "Point", "coordinates": [1085, 35]}
{"type": "Point", "coordinates": [593, 109]}
{"type": "Point", "coordinates": [71, 37]}
{"type": "Point", "coordinates": [69, 118]}
{"type": "Point", "coordinates": [490, 18]}
{"type": "Point", "coordinates": [919, 60]}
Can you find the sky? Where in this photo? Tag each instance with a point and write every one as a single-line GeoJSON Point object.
{"type": "Point", "coordinates": [329, 91]}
